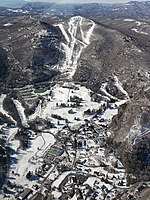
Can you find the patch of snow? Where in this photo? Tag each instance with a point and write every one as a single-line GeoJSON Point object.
{"type": "Point", "coordinates": [64, 32]}
{"type": "Point", "coordinates": [109, 113]}
{"type": "Point", "coordinates": [135, 131]}
{"type": "Point", "coordinates": [23, 164]}
{"type": "Point", "coordinates": [21, 113]}
{"type": "Point", "coordinates": [137, 31]}
{"type": "Point", "coordinates": [90, 181]}
{"type": "Point", "coordinates": [60, 178]}
{"type": "Point", "coordinates": [8, 24]}
{"type": "Point", "coordinates": [138, 23]}
{"type": "Point", "coordinates": [129, 20]}
{"type": "Point", "coordinates": [28, 160]}
{"type": "Point", "coordinates": [4, 112]}
{"type": "Point", "coordinates": [37, 112]}
{"type": "Point", "coordinates": [12, 132]}
{"type": "Point", "coordinates": [119, 86]}
{"type": "Point", "coordinates": [56, 194]}
{"type": "Point", "coordinates": [134, 48]}
{"type": "Point", "coordinates": [18, 11]}
{"type": "Point", "coordinates": [116, 9]}
{"type": "Point", "coordinates": [74, 197]}
{"type": "Point", "coordinates": [62, 94]}
{"type": "Point", "coordinates": [89, 33]}
{"type": "Point", "coordinates": [103, 89]}
{"type": "Point", "coordinates": [43, 33]}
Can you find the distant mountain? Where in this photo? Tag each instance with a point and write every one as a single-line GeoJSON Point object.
{"type": "Point", "coordinates": [130, 9]}
{"type": "Point", "coordinates": [12, 4]}
{"type": "Point", "coordinates": [37, 5]}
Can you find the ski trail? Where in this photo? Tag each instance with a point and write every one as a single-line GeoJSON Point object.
{"type": "Point", "coordinates": [89, 33]}
{"type": "Point", "coordinates": [119, 86]}
{"type": "Point", "coordinates": [77, 38]}
{"type": "Point", "coordinates": [21, 113]}
{"type": "Point", "coordinates": [64, 32]}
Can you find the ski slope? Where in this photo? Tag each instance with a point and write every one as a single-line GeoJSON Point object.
{"type": "Point", "coordinates": [77, 34]}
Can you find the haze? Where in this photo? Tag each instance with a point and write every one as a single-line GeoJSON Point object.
{"type": "Point", "coordinates": [19, 2]}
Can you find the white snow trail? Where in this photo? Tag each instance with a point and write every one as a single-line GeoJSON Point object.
{"type": "Point", "coordinates": [2, 110]}
{"type": "Point", "coordinates": [119, 86]}
{"type": "Point", "coordinates": [77, 38]}
{"type": "Point", "coordinates": [89, 33]}
{"type": "Point", "coordinates": [64, 32]}
{"type": "Point", "coordinates": [21, 113]}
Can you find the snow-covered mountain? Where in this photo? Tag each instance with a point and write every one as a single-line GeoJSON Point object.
{"type": "Point", "coordinates": [74, 106]}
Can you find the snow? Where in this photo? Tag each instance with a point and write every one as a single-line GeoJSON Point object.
{"type": "Point", "coordinates": [62, 95]}
{"type": "Point", "coordinates": [49, 140]}
{"type": "Point", "coordinates": [89, 33]}
{"type": "Point", "coordinates": [116, 9]}
{"type": "Point", "coordinates": [8, 24]}
{"type": "Point", "coordinates": [31, 159]}
{"type": "Point", "coordinates": [28, 160]}
{"type": "Point", "coordinates": [38, 111]}
{"type": "Point", "coordinates": [103, 89]}
{"type": "Point", "coordinates": [18, 11]}
{"type": "Point", "coordinates": [135, 131]}
{"type": "Point", "coordinates": [119, 86]}
{"type": "Point", "coordinates": [64, 32]}
{"type": "Point", "coordinates": [138, 23]}
{"type": "Point", "coordinates": [59, 180]}
{"type": "Point", "coordinates": [137, 31]}
{"type": "Point", "coordinates": [43, 33]}
{"type": "Point", "coordinates": [74, 197]}
{"type": "Point", "coordinates": [74, 46]}
{"type": "Point", "coordinates": [56, 194]}
{"type": "Point", "coordinates": [21, 113]}
{"type": "Point", "coordinates": [129, 20]}
{"type": "Point", "coordinates": [90, 181]}
{"type": "Point", "coordinates": [11, 134]}
{"type": "Point", "coordinates": [23, 165]}
{"type": "Point", "coordinates": [4, 112]}
{"type": "Point", "coordinates": [109, 113]}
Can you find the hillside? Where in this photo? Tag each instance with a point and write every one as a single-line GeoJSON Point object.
{"type": "Point", "coordinates": [74, 102]}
